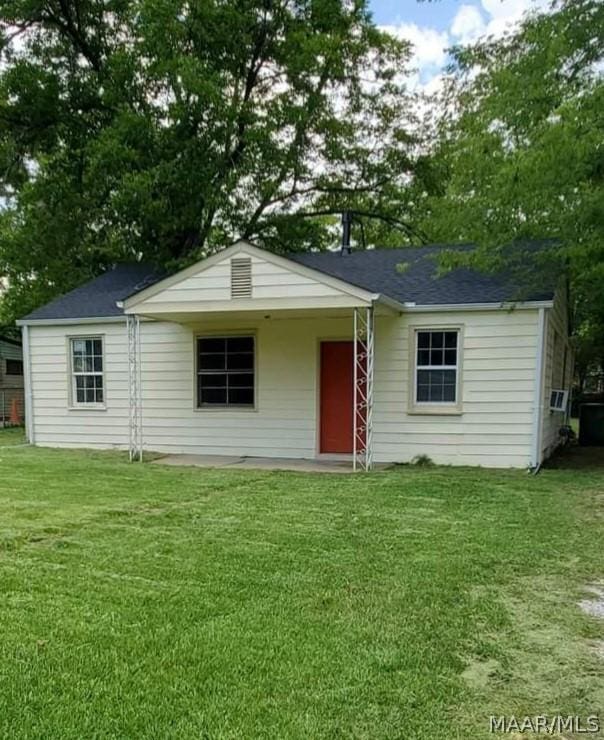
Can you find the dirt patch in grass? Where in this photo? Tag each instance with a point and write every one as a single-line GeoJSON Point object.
{"type": "Point", "coordinates": [547, 659]}
{"type": "Point", "coordinates": [594, 606]}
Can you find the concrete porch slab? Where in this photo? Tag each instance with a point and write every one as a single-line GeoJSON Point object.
{"type": "Point", "coordinates": [260, 463]}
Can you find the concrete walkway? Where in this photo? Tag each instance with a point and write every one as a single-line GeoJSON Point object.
{"type": "Point", "coordinates": [259, 463]}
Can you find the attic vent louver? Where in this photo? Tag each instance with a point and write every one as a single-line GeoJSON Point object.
{"type": "Point", "coordinates": [241, 277]}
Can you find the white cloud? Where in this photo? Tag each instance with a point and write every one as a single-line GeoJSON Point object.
{"type": "Point", "coordinates": [474, 20]}
{"type": "Point", "coordinates": [429, 47]}
{"type": "Point", "coordinates": [504, 14]}
{"type": "Point", "coordinates": [468, 24]}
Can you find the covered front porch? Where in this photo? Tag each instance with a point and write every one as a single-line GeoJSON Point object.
{"type": "Point", "coordinates": [311, 388]}
{"type": "Point", "coordinates": [268, 359]}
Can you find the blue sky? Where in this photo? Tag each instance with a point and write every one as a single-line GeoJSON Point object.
{"type": "Point", "coordinates": [438, 15]}
{"type": "Point", "coordinates": [434, 26]}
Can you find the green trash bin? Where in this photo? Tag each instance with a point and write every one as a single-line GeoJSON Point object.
{"type": "Point", "coordinates": [591, 424]}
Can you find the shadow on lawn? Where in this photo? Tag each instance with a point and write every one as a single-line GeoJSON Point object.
{"type": "Point", "coordinates": [575, 457]}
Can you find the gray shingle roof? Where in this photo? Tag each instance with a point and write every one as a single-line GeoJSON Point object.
{"type": "Point", "coordinates": [98, 297]}
{"type": "Point", "coordinates": [378, 271]}
{"type": "Point", "coordinates": [416, 280]}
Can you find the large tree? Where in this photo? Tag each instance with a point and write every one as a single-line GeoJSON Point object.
{"type": "Point", "coordinates": [163, 129]}
{"type": "Point", "coordinates": [521, 150]}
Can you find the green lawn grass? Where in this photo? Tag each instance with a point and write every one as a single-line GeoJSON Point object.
{"type": "Point", "coordinates": [141, 601]}
{"type": "Point", "coordinates": [11, 436]}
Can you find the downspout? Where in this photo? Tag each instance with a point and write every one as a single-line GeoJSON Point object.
{"type": "Point", "coordinates": [538, 394]}
{"type": "Point", "coordinates": [29, 415]}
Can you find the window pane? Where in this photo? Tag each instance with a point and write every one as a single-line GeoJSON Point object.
{"type": "Point", "coordinates": [14, 367]}
{"type": "Point", "coordinates": [213, 396]}
{"type": "Point", "coordinates": [241, 396]}
{"type": "Point", "coordinates": [79, 346]}
{"type": "Point", "coordinates": [212, 362]}
{"type": "Point", "coordinates": [212, 344]}
{"type": "Point", "coordinates": [436, 386]}
{"type": "Point", "coordinates": [450, 357]}
{"type": "Point", "coordinates": [99, 388]}
{"type": "Point", "coordinates": [451, 339]}
{"type": "Point", "coordinates": [436, 356]}
{"type": "Point", "coordinates": [241, 380]}
{"type": "Point", "coordinates": [240, 361]}
{"type": "Point", "coordinates": [97, 347]}
{"type": "Point", "coordinates": [80, 390]}
{"type": "Point", "coordinates": [437, 339]}
{"type": "Point", "coordinates": [449, 393]}
{"type": "Point", "coordinates": [240, 344]}
{"type": "Point", "coordinates": [423, 339]}
{"type": "Point", "coordinates": [98, 364]}
{"type": "Point", "coordinates": [213, 380]}
{"type": "Point", "coordinates": [423, 393]}
{"type": "Point", "coordinates": [423, 357]}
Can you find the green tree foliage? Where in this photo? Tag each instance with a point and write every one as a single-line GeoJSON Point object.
{"type": "Point", "coordinates": [163, 129]}
{"type": "Point", "coordinates": [521, 154]}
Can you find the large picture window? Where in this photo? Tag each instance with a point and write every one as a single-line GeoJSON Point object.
{"type": "Point", "coordinates": [87, 382]}
{"type": "Point", "coordinates": [436, 366]}
{"type": "Point", "coordinates": [225, 371]}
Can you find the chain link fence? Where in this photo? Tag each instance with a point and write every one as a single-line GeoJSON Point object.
{"type": "Point", "coordinates": [12, 405]}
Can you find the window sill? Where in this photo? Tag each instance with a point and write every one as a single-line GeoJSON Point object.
{"type": "Point", "coordinates": [435, 411]}
{"type": "Point", "coordinates": [214, 409]}
{"type": "Point", "coordinates": [87, 407]}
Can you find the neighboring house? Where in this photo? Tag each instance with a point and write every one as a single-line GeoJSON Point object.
{"type": "Point", "coordinates": [367, 354]}
{"type": "Point", "coordinates": [11, 380]}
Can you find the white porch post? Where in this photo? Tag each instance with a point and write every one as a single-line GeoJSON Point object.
{"type": "Point", "coordinates": [363, 358]}
{"type": "Point", "coordinates": [135, 448]}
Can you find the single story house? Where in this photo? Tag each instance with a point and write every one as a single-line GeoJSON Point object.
{"type": "Point", "coordinates": [11, 381]}
{"type": "Point", "coordinates": [368, 355]}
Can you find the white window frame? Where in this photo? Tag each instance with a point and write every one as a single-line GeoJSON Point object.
{"type": "Point", "coordinates": [73, 399]}
{"type": "Point", "coordinates": [435, 407]}
{"type": "Point", "coordinates": [226, 407]}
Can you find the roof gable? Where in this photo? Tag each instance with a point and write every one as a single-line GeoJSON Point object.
{"type": "Point", "coordinates": [272, 278]}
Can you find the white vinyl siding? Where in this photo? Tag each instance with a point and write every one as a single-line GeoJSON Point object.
{"type": "Point", "coordinates": [496, 387]}
{"type": "Point", "coordinates": [56, 422]}
{"type": "Point", "coordinates": [499, 351]}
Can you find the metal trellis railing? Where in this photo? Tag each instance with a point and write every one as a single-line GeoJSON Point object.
{"type": "Point", "coordinates": [135, 389]}
{"type": "Point", "coordinates": [363, 388]}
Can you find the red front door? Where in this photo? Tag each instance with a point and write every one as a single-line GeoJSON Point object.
{"type": "Point", "coordinates": [336, 397]}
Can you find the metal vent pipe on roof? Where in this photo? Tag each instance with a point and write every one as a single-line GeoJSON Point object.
{"type": "Point", "coordinates": [346, 226]}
